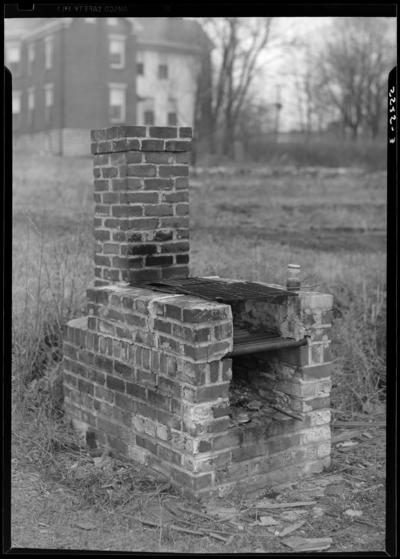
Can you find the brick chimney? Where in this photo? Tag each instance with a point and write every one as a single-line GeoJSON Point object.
{"type": "Point", "coordinates": [141, 199]}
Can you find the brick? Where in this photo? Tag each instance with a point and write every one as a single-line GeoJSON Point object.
{"type": "Point", "coordinates": [146, 443]}
{"type": "Point", "coordinates": [118, 445]}
{"type": "Point", "coordinates": [178, 145]}
{"type": "Point", "coordinates": [185, 132]}
{"type": "Point", "coordinates": [110, 198]}
{"type": "Point", "coordinates": [169, 455]}
{"type": "Point", "coordinates": [148, 274]}
{"type": "Point", "coordinates": [171, 420]}
{"type": "Point", "coordinates": [162, 132]}
{"type": "Point", "coordinates": [109, 172]}
{"type": "Point", "coordinates": [171, 311]}
{"type": "Point", "coordinates": [315, 372]}
{"type": "Point", "coordinates": [182, 209]}
{"type": "Point", "coordinates": [158, 184]}
{"type": "Point", "coordinates": [232, 439]}
{"type": "Point", "coordinates": [173, 171]}
{"type": "Point", "coordinates": [115, 384]}
{"type": "Point", "coordinates": [152, 145]}
{"type": "Point", "coordinates": [169, 386]}
{"type": "Point", "coordinates": [158, 157]}
{"type": "Point", "coordinates": [283, 443]}
{"type": "Point", "coordinates": [158, 399]}
{"type": "Point", "coordinates": [163, 236]}
{"type": "Point", "coordinates": [104, 147]}
{"type": "Point", "coordinates": [182, 183]}
{"type": "Point", "coordinates": [97, 135]}
{"type": "Point", "coordinates": [182, 157]}
{"type": "Point", "coordinates": [162, 326]}
{"type": "Point", "coordinates": [158, 210]}
{"type": "Point", "coordinates": [136, 391]}
{"type": "Point", "coordinates": [102, 209]}
{"type": "Point", "coordinates": [111, 248]}
{"type": "Point", "coordinates": [169, 344]}
{"type": "Point", "coordinates": [144, 223]}
{"type": "Point", "coordinates": [135, 131]}
{"type": "Point", "coordinates": [196, 316]}
{"type": "Point", "coordinates": [111, 133]}
{"type": "Point", "coordinates": [146, 379]}
{"type": "Point", "coordinates": [174, 272]}
{"type": "Point", "coordinates": [159, 260]}
{"type": "Point", "coordinates": [144, 249]}
{"type": "Point", "coordinates": [247, 452]}
{"type": "Point", "coordinates": [141, 170]}
{"type": "Point", "coordinates": [174, 197]}
{"type": "Point", "coordinates": [100, 185]}
{"type": "Point", "coordinates": [139, 197]}
{"type": "Point", "coordinates": [197, 353]}
{"type": "Point", "coordinates": [182, 259]}
{"type": "Point", "coordinates": [125, 371]}
{"type": "Point", "coordinates": [125, 145]}
{"type": "Point", "coordinates": [207, 393]}
{"type": "Point", "coordinates": [119, 184]}
{"type": "Point", "coordinates": [127, 211]}
{"type": "Point", "coordinates": [174, 222]}
{"type": "Point", "coordinates": [101, 160]}
{"type": "Point", "coordinates": [133, 157]}
{"type": "Point", "coordinates": [180, 246]}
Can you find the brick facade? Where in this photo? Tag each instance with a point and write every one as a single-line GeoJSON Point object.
{"type": "Point", "coordinates": [147, 372]}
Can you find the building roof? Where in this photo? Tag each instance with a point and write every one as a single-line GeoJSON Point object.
{"type": "Point", "coordinates": [173, 30]}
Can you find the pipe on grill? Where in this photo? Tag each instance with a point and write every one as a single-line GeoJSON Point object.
{"type": "Point", "coordinates": [255, 347]}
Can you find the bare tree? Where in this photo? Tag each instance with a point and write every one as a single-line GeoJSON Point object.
{"type": "Point", "coordinates": [238, 45]}
{"type": "Point", "coordinates": [353, 69]}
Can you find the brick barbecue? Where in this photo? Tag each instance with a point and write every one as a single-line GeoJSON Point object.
{"type": "Point", "coordinates": [220, 393]}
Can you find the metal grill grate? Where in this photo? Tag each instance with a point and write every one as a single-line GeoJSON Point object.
{"type": "Point", "coordinates": [220, 291]}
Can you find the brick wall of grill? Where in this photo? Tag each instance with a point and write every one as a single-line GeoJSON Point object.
{"type": "Point", "coordinates": [145, 372]}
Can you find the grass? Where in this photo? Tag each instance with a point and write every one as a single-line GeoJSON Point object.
{"type": "Point", "coordinates": [246, 223]}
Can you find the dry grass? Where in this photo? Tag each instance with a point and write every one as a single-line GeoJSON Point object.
{"type": "Point", "coordinates": [245, 225]}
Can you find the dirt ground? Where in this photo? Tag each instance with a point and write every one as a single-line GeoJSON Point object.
{"type": "Point", "coordinates": [122, 508]}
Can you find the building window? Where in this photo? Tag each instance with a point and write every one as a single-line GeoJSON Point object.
{"type": "Point", "coordinates": [112, 21]}
{"type": "Point", "coordinates": [49, 102]}
{"type": "Point", "coordinates": [172, 113]}
{"type": "Point", "coordinates": [14, 58]}
{"type": "Point", "coordinates": [172, 119]}
{"type": "Point", "coordinates": [117, 102]}
{"type": "Point", "coordinates": [162, 71]}
{"type": "Point", "coordinates": [140, 68]}
{"type": "Point", "coordinates": [31, 58]}
{"type": "Point", "coordinates": [117, 52]}
{"type": "Point", "coordinates": [48, 52]}
{"type": "Point", "coordinates": [16, 108]}
{"type": "Point", "coordinates": [149, 117]}
{"type": "Point", "coordinates": [90, 19]}
{"type": "Point", "coordinates": [31, 105]}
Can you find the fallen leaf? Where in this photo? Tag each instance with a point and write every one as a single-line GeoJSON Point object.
{"type": "Point", "coordinates": [348, 443]}
{"type": "Point", "coordinates": [222, 512]}
{"type": "Point", "coordinates": [318, 511]}
{"type": "Point", "coordinates": [291, 528]}
{"type": "Point", "coordinates": [351, 512]}
{"type": "Point", "coordinates": [74, 466]}
{"type": "Point", "coordinates": [265, 521]}
{"type": "Point", "coordinates": [307, 544]}
{"type": "Point", "coordinates": [266, 505]}
{"type": "Point", "coordinates": [259, 550]}
{"type": "Point", "coordinates": [335, 489]}
{"type": "Point", "coordinates": [85, 525]}
{"type": "Point", "coordinates": [368, 435]}
{"type": "Point", "coordinates": [290, 516]}
{"type": "Point", "coordinates": [103, 461]}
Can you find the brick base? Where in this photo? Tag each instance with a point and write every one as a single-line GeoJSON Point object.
{"type": "Point", "coordinates": [145, 372]}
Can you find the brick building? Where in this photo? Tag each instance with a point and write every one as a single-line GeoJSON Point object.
{"type": "Point", "coordinates": [71, 75]}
